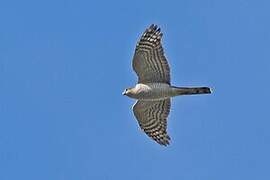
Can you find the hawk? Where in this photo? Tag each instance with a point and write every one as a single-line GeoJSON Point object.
{"type": "Point", "coordinates": [154, 91]}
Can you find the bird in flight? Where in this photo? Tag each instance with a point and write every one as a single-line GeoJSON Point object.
{"type": "Point", "coordinates": [154, 91]}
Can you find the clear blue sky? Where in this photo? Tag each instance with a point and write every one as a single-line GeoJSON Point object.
{"type": "Point", "coordinates": [64, 65]}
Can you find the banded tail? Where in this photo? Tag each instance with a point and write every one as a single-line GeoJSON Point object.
{"type": "Point", "coordinates": [189, 91]}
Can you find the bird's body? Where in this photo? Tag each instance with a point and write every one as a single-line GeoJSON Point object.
{"type": "Point", "coordinates": [161, 91]}
{"type": "Point", "coordinates": [154, 90]}
{"type": "Point", "coordinates": [151, 91]}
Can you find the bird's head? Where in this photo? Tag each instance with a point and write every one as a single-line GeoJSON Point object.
{"type": "Point", "coordinates": [127, 92]}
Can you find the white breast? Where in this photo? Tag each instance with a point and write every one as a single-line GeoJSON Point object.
{"type": "Point", "coordinates": [153, 91]}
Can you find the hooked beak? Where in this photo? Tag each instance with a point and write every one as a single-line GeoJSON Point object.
{"type": "Point", "coordinates": [124, 93]}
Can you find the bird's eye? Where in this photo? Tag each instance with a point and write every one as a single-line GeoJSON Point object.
{"type": "Point", "coordinates": [126, 90]}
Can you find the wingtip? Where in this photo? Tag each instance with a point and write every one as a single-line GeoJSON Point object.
{"type": "Point", "coordinates": [151, 26]}
{"type": "Point", "coordinates": [154, 27]}
{"type": "Point", "coordinates": [165, 141]}
{"type": "Point", "coordinates": [165, 144]}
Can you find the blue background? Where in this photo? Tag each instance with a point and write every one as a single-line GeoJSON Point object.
{"type": "Point", "coordinates": [64, 65]}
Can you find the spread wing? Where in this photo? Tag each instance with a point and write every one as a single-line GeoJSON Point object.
{"type": "Point", "coordinates": [149, 61]}
{"type": "Point", "coordinates": [152, 118]}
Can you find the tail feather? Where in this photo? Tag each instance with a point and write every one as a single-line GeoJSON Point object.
{"type": "Point", "coordinates": [190, 91]}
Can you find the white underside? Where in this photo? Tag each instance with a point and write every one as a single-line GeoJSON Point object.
{"type": "Point", "coordinates": [153, 91]}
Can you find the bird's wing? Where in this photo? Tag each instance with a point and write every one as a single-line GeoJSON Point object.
{"type": "Point", "coordinates": [152, 118]}
{"type": "Point", "coordinates": [149, 61]}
